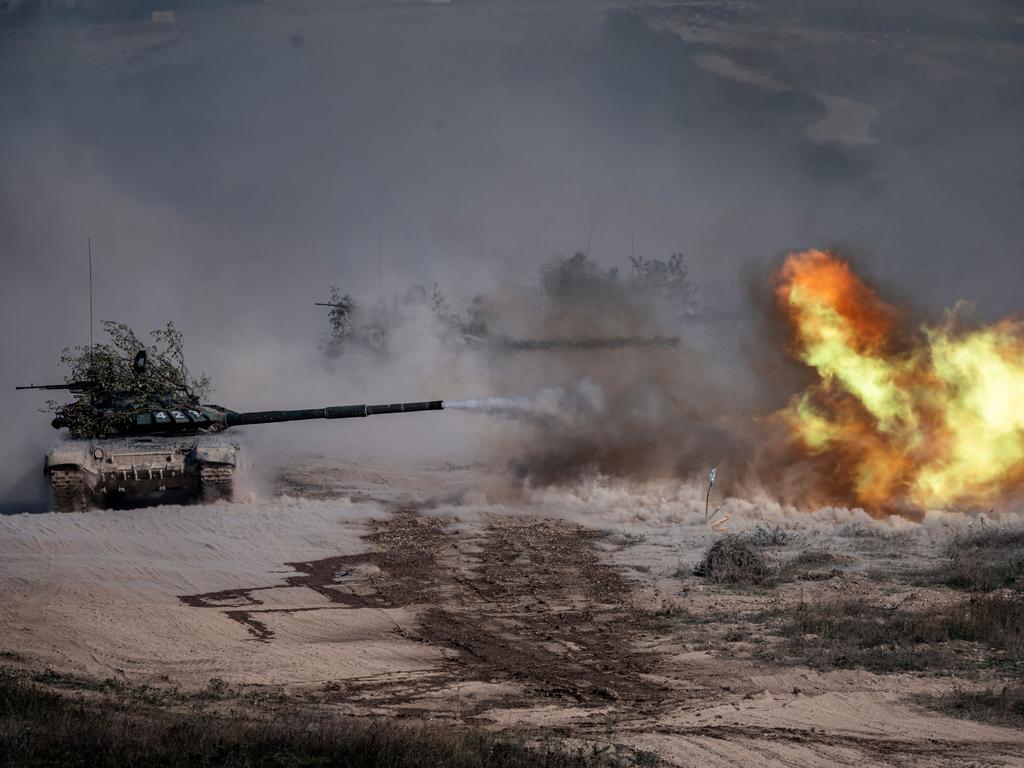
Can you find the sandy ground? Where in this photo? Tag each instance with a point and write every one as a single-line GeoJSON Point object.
{"type": "Point", "coordinates": [415, 594]}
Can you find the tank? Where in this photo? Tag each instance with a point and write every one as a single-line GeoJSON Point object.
{"type": "Point", "coordinates": [127, 452]}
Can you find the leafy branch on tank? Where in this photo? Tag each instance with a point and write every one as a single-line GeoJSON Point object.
{"type": "Point", "coordinates": [107, 375]}
{"type": "Point", "coordinates": [341, 319]}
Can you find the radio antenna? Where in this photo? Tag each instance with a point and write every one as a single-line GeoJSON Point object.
{"type": "Point", "coordinates": [590, 232]}
{"type": "Point", "coordinates": [632, 249]}
{"type": "Point", "coordinates": [380, 246]}
{"type": "Point", "coordinates": [91, 342]}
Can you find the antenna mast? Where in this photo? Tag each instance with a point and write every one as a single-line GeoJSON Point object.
{"type": "Point", "coordinates": [590, 232]}
{"type": "Point", "coordinates": [91, 342]}
{"type": "Point", "coordinates": [380, 246]}
{"type": "Point", "coordinates": [632, 249]}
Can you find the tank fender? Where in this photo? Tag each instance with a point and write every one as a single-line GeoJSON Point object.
{"type": "Point", "coordinates": [216, 453]}
{"type": "Point", "coordinates": [67, 456]}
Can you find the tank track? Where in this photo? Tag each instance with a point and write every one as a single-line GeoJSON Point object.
{"type": "Point", "coordinates": [216, 482]}
{"type": "Point", "coordinates": [69, 492]}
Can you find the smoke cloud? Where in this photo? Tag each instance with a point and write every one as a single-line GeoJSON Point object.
{"type": "Point", "coordinates": [554, 404]}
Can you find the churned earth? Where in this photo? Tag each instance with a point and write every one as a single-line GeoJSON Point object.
{"type": "Point", "coordinates": [432, 596]}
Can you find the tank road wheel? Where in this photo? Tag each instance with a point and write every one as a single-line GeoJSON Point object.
{"type": "Point", "coordinates": [216, 482]}
{"type": "Point", "coordinates": [69, 494]}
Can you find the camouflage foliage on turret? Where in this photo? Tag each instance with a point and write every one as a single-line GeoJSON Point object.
{"type": "Point", "coordinates": [110, 386]}
{"type": "Point", "coordinates": [341, 319]}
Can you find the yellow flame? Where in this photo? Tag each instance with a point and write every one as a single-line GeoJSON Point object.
{"type": "Point", "coordinates": [930, 419]}
{"type": "Point", "coordinates": [981, 403]}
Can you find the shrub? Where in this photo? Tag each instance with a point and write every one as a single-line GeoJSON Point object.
{"type": "Point", "coordinates": [734, 560]}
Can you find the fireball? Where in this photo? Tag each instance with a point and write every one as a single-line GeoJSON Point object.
{"type": "Point", "coordinates": [929, 418]}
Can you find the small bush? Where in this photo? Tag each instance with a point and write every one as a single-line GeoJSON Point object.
{"type": "Point", "coordinates": [763, 536]}
{"type": "Point", "coordinates": [734, 560]}
{"type": "Point", "coordinates": [986, 559]}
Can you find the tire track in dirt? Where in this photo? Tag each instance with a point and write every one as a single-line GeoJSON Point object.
{"type": "Point", "coordinates": [526, 602]}
{"type": "Point", "coordinates": [405, 557]}
{"type": "Point", "coordinates": [545, 611]}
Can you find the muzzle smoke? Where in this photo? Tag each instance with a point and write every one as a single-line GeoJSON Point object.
{"type": "Point", "coordinates": [550, 406]}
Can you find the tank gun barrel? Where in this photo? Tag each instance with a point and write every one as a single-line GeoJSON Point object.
{"type": "Point", "coordinates": [74, 386]}
{"type": "Point", "coordinates": [232, 419]}
{"type": "Point", "coordinates": [586, 343]}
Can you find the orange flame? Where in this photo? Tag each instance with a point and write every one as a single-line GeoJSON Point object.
{"type": "Point", "coordinates": [924, 420]}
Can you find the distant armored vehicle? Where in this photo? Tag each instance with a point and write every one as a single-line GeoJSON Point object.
{"type": "Point", "coordinates": [128, 451]}
{"type": "Point", "coordinates": [373, 334]}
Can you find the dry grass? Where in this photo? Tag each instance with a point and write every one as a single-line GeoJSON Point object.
{"type": "Point", "coordinates": [1004, 706]}
{"type": "Point", "coordinates": [765, 536]}
{"type": "Point", "coordinates": [985, 559]}
{"type": "Point", "coordinates": [858, 634]}
{"type": "Point", "coordinates": [41, 727]}
{"type": "Point", "coordinates": [811, 565]}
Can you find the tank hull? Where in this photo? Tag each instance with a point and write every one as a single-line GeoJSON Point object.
{"type": "Point", "coordinates": [140, 471]}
